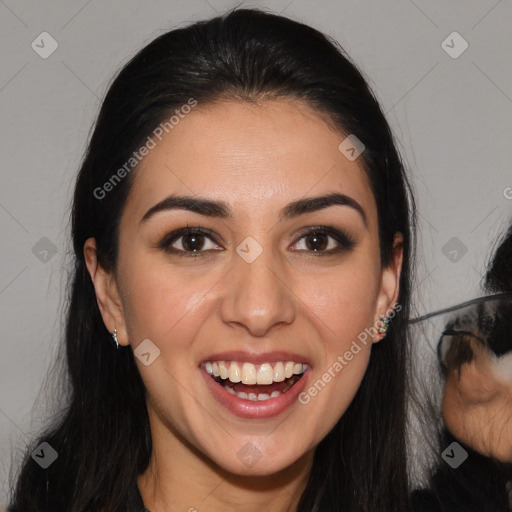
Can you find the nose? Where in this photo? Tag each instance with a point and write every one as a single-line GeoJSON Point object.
{"type": "Point", "coordinates": [258, 297]}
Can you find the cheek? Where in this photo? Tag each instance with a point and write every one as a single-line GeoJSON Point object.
{"type": "Point", "coordinates": [344, 308]}
{"type": "Point", "coordinates": [167, 307]}
{"type": "Point", "coordinates": [160, 302]}
{"type": "Point", "coordinates": [344, 300]}
{"type": "Point", "coordinates": [335, 384]}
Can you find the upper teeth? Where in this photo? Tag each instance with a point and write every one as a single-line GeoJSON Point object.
{"type": "Point", "coordinates": [248, 373]}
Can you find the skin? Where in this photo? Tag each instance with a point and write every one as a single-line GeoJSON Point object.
{"type": "Point", "coordinates": [477, 404]}
{"type": "Point", "coordinates": [257, 158]}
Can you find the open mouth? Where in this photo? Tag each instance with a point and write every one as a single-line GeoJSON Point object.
{"type": "Point", "coordinates": [257, 392]}
{"type": "Point", "coordinates": [255, 382]}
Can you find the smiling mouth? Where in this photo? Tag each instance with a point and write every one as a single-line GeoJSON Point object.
{"type": "Point", "coordinates": [257, 392]}
{"type": "Point", "coordinates": [255, 382]}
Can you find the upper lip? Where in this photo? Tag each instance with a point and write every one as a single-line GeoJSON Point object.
{"type": "Point", "coordinates": [255, 358]}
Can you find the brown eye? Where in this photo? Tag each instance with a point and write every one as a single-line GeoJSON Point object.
{"type": "Point", "coordinates": [188, 242]}
{"type": "Point", "coordinates": [192, 242]}
{"type": "Point", "coordinates": [317, 241]}
{"type": "Point", "coordinates": [325, 241]}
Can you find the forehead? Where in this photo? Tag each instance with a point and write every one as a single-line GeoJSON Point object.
{"type": "Point", "coordinates": [251, 156]}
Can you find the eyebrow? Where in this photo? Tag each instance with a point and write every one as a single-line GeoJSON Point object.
{"type": "Point", "coordinates": [220, 209]}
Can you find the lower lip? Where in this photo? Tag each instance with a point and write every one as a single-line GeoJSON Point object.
{"type": "Point", "coordinates": [256, 409]}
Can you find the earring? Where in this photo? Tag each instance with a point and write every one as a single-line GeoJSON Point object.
{"type": "Point", "coordinates": [385, 320]}
{"type": "Point", "coordinates": [114, 336]}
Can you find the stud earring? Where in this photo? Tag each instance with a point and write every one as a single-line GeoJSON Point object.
{"type": "Point", "coordinates": [385, 320]}
{"type": "Point", "coordinates": [114, 337]}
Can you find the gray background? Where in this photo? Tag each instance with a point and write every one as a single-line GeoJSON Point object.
{"type": "Point", "coordinates": [451, 118]}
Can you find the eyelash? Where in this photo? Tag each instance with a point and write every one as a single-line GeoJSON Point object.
{"type": "Point", "coordinates": [346, 242]}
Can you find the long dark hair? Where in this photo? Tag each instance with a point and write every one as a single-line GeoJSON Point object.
{"type": "Point", "coordinates": [102, 436]}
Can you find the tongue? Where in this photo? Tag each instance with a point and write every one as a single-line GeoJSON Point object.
{"type": "Point", "coordinates": [259, 388]}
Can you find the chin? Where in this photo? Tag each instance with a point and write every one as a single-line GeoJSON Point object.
{"type": "Point", "coordinates": [253, 461]}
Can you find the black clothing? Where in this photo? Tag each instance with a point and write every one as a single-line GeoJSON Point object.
{"type": "Point", "coordinates": [479, 484]}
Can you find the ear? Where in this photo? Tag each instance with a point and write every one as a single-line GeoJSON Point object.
{"type": "Point", "coordinates": [107, 294]}
{"type": "Point", "coordinates": [389, 285]}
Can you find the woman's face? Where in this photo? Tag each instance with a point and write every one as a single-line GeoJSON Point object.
{"type": "Point", "coordinates": [255, 290]}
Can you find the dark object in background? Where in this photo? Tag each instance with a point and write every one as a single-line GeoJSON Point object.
{"type": "Point", "coordinates": [480, 483]}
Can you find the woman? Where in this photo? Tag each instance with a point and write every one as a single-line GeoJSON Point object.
{"type": "Point", "coordinates": [243, 229]}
